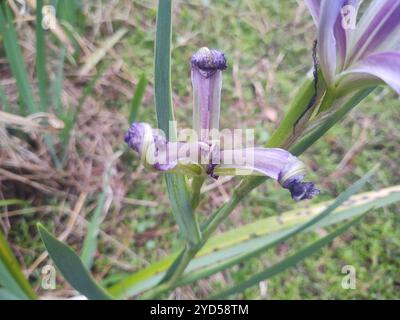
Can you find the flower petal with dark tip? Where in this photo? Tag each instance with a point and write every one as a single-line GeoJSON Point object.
{"type": "Point", "coordinates": [207, 66]}
{"type": "Point", "coordinates": [275, 163]}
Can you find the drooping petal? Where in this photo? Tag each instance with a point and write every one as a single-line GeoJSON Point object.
{"type": "Point", "coordinates": [275, 163]}
{"type": "Point", "coordinates": [384, 66]}
{"type": "Point", "coordinates": [327, 44]}
{"type": "Point", "coordinates": [207, 66]}
{"type": "Point", "coordinates": [157, 153]}
{"type": "Point", "coordinates": [377, 30]}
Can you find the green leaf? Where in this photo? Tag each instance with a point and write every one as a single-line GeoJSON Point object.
{"type": "Point", "coordinates": [286, 263]}
{"type": "Point", "coordinates": [253, 236]}
{"type": "Point", "coordinates": [13, 202]}
{"type": "Point", "coordinates": [245, 255]}
{"type": "Point", "coordinates": [11, 276]}
{"type": "Point", "coordinates": [177, 189]}
{"type": "Point", "coordinates": [72, 267]}
{"type": "Point", "coordinates": [90, 242]}
{"type": "Point", "coordinates": [57, 83]}
{"type": "Point", "coordinates": [306, 142]}
{"type": "Point", "coordinates": [16, 60]}
{"type": "Point", "coordinates": [41, 57]}
{"type": "Point", "coordinates": [137, 98]}
{"type": "Point", "coordinates": [7, 295]}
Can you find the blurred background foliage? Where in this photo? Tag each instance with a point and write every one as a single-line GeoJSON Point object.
{"type": "Point", "coordinates": [79, 179]}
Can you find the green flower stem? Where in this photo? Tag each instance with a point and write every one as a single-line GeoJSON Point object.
{"type": "Point", "coordinates": [197, 183]}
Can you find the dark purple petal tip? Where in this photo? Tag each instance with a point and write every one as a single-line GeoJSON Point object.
{"type": "Point", "coordinates": [301, 190]}
{"type": "Point", "coordinates": [209, 61]}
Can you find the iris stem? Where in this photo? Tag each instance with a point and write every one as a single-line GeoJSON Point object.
{"type": "Point", "coordinates": [197, 183]}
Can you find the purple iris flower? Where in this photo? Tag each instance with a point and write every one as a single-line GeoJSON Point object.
{"type": "Point", "coordinates": [202, 157]}
{"type": "Point", "coordinates": [355, 53]}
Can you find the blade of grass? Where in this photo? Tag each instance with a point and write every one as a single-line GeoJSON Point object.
{"type": "Point", "coordinates": [288, 262]}
{"type": "Point", "coordinates": [176, 184]}
{"type": "Point", "coordinates": [72, 267]}
{"type": "Point", "coordinates": [100, 52]}
{"type": "Point", "coordinates": [41, 57]}
{"type": "Point", "coordinates": [42, 77]}
{"type": "Point", "coordinates": [67, 11]}
{"type": "Point", "coordinates": [137, 98]}
{"type": "Point", "coordinates": [11, 276]}
{"type": "Point", "coordinates": [16, 60]}
{"type": "Point", "coordinates": [13, 202]}
{"type": "Point", "coordinates": [57, 84]}
{"type": "Point", "coordinates": [90, 242]}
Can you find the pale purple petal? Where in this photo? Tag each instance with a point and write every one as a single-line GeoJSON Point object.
{"type": "Point", "coordinates": [379, 22]}
{"type": "Point", "coordinates": [342, 29]}
{"type": "Point", "coordinates": [275, 163]}
{"type": "Point", "coordinates": [384, 65]}
{"type": "Point", "coordinates": [329, 13]}
{"type": "Point", "coordinates": [340, 33]}
{"type": "Point", "coordinates": [207, 66]}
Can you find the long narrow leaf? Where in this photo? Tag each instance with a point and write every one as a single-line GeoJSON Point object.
{"type": "Point", "coordinates": [16, 60]}
{"type": "Point", "coordinates": [41, 57]}
{"type": "Point", "coordinates": [246, 255]}
{"type": "Point", "coordinates": [90, 242]}
{"type": "Point", "coordinates": [11, 276]}
{"type": "Point", "coordinates": [288, 262]}
{"type": "Point", "coordinates": [7, 295]}
{"type": "Point", "coordinates": [254, 236]}
{"type": "Point", "coordinates": [57, 83]}
{"type": "Point", "coordinates": [72, 267]}
{"type": "Point", "coordinates": [137, 98]}
{"type": "Point", "coordinates": [176, 184]}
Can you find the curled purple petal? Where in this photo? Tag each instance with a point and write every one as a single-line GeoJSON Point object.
{"type": "Point", "coordinates": [275, 163]}
{"type": "Point", "coordinates": [136, 135]}
{"type": "Point", "coordinates": [159, 154]}
{"type": "Point", "coordinates": [300, 190]}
